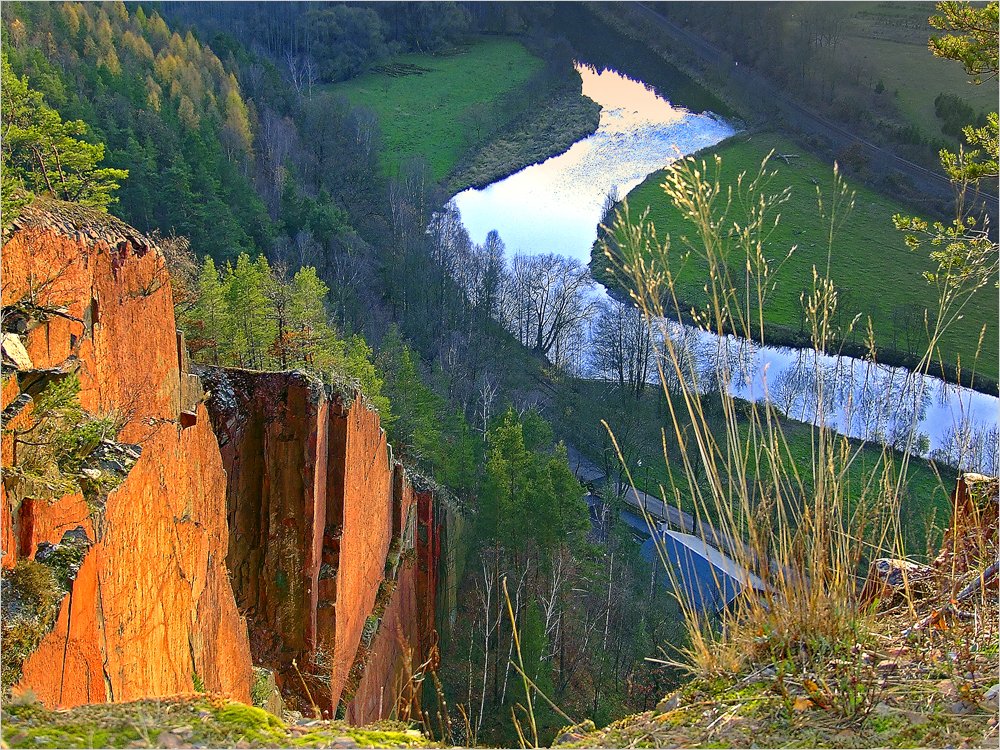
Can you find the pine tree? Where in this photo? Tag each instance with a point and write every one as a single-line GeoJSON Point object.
{"type": "Point", "coordinates": [251, 326]}
{"type": "Point", "coordinates": [43, 154]}
{"type": "Point", "coordinates": [211, 311]}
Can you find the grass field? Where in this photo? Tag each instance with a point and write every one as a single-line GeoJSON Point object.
{"type": "Point", "coordinates": [918, 77]}
{"type": "Point", "coordinates": [583, 404]}
{"type": "Point", "coordinates": [890, 39]}
{"type": "Point", "coordinates": [421, 115]}
{"type": "Point", "coordinates": [876, 273]}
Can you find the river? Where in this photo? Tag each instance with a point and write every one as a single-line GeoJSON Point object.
{"type": "Point", "coordinates": [555, 207]}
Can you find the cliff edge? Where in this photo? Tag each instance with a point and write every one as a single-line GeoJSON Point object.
{"type": "Point", "coordinates": [157, 532]}
{"type": "Point", "coordinates": [148, 609]}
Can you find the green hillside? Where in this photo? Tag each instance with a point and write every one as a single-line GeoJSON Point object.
{"type": "Point", "coordinates": [870, 264]}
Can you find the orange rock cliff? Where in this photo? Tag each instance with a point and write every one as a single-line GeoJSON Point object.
{"type": "Point", "coordinates": [286, 532]}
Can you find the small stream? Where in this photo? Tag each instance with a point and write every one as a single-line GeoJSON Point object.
{"type": "Point", "coordinates": [555, 207]}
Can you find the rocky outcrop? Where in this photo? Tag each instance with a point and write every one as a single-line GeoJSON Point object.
{"type": "Point", "coordinates": [150, 611]}
{"type": "Point", "coordinates": [321, 524]}
{"type": "Point", "coordinates": [265, 516]}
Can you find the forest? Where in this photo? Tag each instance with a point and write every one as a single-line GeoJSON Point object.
{"type": "Point", "coordinates": [211, 126]}
{"type": "Point", "coordinates": [296, 239]}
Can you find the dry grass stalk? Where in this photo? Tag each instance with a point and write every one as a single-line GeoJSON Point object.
{"type": "Point", "coordinates": [807, 529]}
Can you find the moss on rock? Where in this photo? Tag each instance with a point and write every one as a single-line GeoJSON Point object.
{"type": "Point", "coordinates": [31, 595]}
{"type": "Point", "coordinates": [199, 720]}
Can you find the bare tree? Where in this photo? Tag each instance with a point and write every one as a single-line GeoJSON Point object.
{"type": "Point", "coordinates": [409, 203]}
{"type": "Point", "coordinates": [489, 388]}
{"type": "Point", "coordinates": [276, 142]}
{"type": "Point", "coordinates": [311, 73]}
{"type": "Point", "coordinates": [550, 297]}
{"type": "Point", "coordinates": [301, 251]}
{"type": "Point", "coordinates": [622, 347]}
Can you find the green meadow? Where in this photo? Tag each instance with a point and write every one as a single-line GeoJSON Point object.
{"type": "Point", "coordinates": [889, 41]}
{"type": "Point", "coordinates": [925, 506]}
{"type": "Point", "coordinates": [869, 263]}
{"type": "Point", "coordinates": [422, 114]}
{"type": "Point", "coordinates": [916, 78]}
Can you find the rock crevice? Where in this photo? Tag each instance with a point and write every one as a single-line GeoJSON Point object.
{"type": "Point", "coordinates": [316, 510]}
{"type": "Point", "coordinates": [148, 586]}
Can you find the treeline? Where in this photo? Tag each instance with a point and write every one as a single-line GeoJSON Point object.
{"type": "Point", "coordinates": [164, 107]}
{"type": "Point", "coordinates": [252, 315]}
{"type": "Point", "coordinates": [330, 42]}
{"type": "Point", "coordinates": [225, 154]}
{"type": "Point", "coordinates": [324, 42]}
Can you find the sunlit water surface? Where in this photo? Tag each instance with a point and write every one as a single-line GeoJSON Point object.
{"type": "Point", "coordinates": [857, 398]}
{"type": "Point", "coordinates": [555, 207]}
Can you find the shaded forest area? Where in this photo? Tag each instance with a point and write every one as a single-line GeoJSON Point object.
{"type": "Point", "coordinates": [291, 246]}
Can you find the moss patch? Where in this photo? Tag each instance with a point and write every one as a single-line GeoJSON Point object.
{"type": "Point", "coordinates": [31, 595]}
{"type": "Point", "coordinates": [742, 714]}
{"type": "Point", "coordinates": [196, 720]}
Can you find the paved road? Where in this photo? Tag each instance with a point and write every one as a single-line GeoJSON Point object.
{"type": "Point", "coordinates": [932, 183]}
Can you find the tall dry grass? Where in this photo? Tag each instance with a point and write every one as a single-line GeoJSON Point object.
{"type": "Point", "coordinates": [805, 528]}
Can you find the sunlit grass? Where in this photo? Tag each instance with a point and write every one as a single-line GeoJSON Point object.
{"type": "Point", "coordinates": [874, 272]}
{"type": "Point", "coordinates": [918, 77]}
{"type": "Point", "coordinates": [807, 516]}
{"type": "Point", "coordinates": [421, 115]}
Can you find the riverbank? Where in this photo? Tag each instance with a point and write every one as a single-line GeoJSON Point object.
{"type": "Point", "coordinates": [925, 190]}
{"type": "Point", "coordinates": [866, 251]}
{"type": "Point", "coordinates": [476, 115]}
{"type": "Point", "coordinates": [547, 131]}
{"type": "Point", "coordinates": [436, 106]}
{"type": "Point", "coordinates": [582, 408]}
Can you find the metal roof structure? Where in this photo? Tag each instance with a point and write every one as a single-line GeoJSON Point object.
{"type": "Point", "coordinates": [708, 579]}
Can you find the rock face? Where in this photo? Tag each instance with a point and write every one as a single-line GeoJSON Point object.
{"type": "Point", "coordinates": [290, 509]}
{"type": "Point", "coordinates": [321, 524]}
{"type": "Point", "coordinates": [150, 607]}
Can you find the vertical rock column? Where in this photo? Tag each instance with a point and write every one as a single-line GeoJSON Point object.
{"type": "Point", "coordinates": [150, 609]}
{"type": "Point", "coordinates": [358, 531]}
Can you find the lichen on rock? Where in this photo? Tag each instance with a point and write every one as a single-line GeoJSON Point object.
{"type": "Point", "coordinates": [32, 593]}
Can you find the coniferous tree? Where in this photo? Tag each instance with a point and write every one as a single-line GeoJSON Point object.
{"type": "Point", "coordinates": [44, 155]}
{"type": "Point", "coordinates": [250, 313]}
{"type": "Point", "coordinates": [210, 310]}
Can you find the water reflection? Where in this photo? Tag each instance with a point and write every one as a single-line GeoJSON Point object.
{"type": "Point", "coordinates": [554, 207]}
{"type": "Point", "coordinates": [894, 406]}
